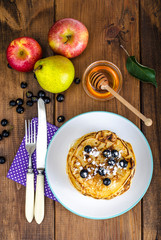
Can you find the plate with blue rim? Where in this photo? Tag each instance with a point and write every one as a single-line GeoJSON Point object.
{"type": "Point", "coordinates": [58, 179]}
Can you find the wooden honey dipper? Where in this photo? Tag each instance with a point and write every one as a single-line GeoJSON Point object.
{"type": "Point", "coordinates": [100, 82]}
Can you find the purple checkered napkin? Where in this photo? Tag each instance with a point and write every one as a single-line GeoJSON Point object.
{"type": "Point", "coordinates": [18, 169]}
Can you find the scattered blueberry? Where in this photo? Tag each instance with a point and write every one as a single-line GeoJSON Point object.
{"type": "Point", "coordinates": [41, 94]}
{"type": "Point", "coordinates": [101, 171]}
{"type": "Point", "coordinates": [115, 153]}
{"type": "Point", "coordinates": [2, 160]}
{"type": "Point", "coordinates": [23, 85]}
{"type": "Point", "coordinates": [84, 173]}
{"type": "Point", "coordinates": [1, 137]}
{"type": "Point", "coordinates": [61, 119]}
{"type": "Point", "coordinates": [12, 103]}
{"type": "Point", "coordinates": [29, 94]}
{"type": "Point", "coordinates": [5, 133]}
{"type": "Point", "coordinates": [123, 163]}
{"type": "Point", "coordinates": [20, 109]}
{"type": "Point", "coordinates": [29, 103]}
{"type": "Point", "coordinates": [88, 149]}
{"type": "Point", "coordinates": [9, 66]}
{"type": "Point", "coordinates": [35, 76]}
{"type": "Point", "coordinates": [34, 98]}
{"type": "Point", "coordinates": [60, 97]}
{"type": "Point", "coordinates": [107, 153]}
{"type": "Point", "coordinates": [77, 80]}
{"type": "Point", "coordinates": [86, 156]}
{"type": "Point", "coordinates": [106, 181]}
{"type": "Point", "coordinates": [19, 101]}
{"type": "Point", "coordinates": [46, 100]}
{"type": "Point", "coordinates": [4, 122]}
{"type": "Point", "coordinates": [111, 161]}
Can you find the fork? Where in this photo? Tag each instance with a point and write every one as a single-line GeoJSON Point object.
{"type": "Point", "coordinates": [30, 145]}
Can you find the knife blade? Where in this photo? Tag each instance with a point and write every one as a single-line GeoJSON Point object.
{"type": "Point", "coordinates": [41, 149]}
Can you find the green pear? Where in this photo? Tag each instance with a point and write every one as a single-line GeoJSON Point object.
{"type": "Point", "coordinates": [54, 74]}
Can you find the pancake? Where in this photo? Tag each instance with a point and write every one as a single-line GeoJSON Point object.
{"type": "Point", "coordinates": [101, 165]}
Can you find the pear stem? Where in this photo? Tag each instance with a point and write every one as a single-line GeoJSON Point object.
{"type": "Point", "coordinates": [11, 127]}
{"type": "Point", "coordinates": [38, 68]}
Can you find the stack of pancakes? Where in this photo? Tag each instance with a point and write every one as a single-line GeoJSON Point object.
{"type": "Point", "coordinates": [97, 166]}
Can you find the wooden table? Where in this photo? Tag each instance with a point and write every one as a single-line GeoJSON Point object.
{"type": "Point", "coordinates": [141, 20]}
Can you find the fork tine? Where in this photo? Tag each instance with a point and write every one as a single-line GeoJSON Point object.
{"type": "Point", "coordinates": [34, 132]}
{"type": "Point", "coordinates": [25, 132]}
{"type": "Point", "coordinates": [29, 131]}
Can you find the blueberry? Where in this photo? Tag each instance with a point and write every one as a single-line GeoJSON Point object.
{"type": "Point", "coordinates": [1, 137]}
{"type": "Point", "coordinates": [20, 109]}
{"type": "Point", "coordinates": [86, 156]}
{"type": "Point", "coordinates": [2, 160]}
{"type": "Point", "coordinates": [35, 76]}
{"type": "Point", "coordinates": [111, 161]}
{"type": "Point", "coordinates": [19, 101]}
{"type": "Point", "coordinates": [4, 122]}
{"type": "Point", "coordinates": [88, 149]}
{"type": "Point", "coordinates": [34, 99]}
{"type": "Point", "coordinates": [5, 133]}
{"type": "Point", "coordinates": [12, 103]}
{"type": "Point", "coordinates": [9, 66]}
{"type": "Point", "coordinates": [29, 103]}
{"type": "Point", "coordinates": [41, 94]}
{"type": "Point", "coordinates": [23, 85]}
{"type": "Point", "coordinates": [77, 80]}
{"type": "Point", "coordinates": [29, 94]}
{"type": "Point", "coordinates": [115, 153]}
{"type": "Point", "coordinates": [123, 163]}
{"type": "Point", "coordinates": [60, 98]}
{"type": "Point", "coordinates": [101, 171]}
{"type": "Point", "coordinates": [106, 181]}
{"type": "Point", "coordinates": [84, 173]}
{"type": "Point", "coordinates": [107, 153]}
{"type": "Point", "coordinates": [61, 119]}
{"type": "Point", "coordinates": [46, 100]}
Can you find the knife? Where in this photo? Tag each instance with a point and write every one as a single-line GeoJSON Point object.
{"type": "Point", "coordinates": [41, 149]}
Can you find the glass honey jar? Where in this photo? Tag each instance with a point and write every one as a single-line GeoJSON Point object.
{"type": "Point", "coordinates": [113, 74]}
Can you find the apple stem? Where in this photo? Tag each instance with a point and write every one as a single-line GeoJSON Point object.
{"type": "Point", "coordinates": [38, 68]}
{"type": "Point", "coordinates": [68, 38]}
{"type": "Point", "coordinates": [21, 53]}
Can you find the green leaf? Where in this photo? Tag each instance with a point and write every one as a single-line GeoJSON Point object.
{"type": "Point", "coordinates": [137, 70]}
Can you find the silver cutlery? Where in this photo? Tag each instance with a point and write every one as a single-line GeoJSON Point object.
{"type": "Point", "coordinates": [41, 148]}
{"type": "Point", "coordinates": [30, 145]}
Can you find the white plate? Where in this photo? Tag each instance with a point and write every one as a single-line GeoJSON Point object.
{"type": "Point", "coordinates": [59, 182]}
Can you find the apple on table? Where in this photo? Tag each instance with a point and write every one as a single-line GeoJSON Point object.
{"type": "Point", "coordinates": [23, 53]}
{"type": "Point", "coordinates": [68, 37]}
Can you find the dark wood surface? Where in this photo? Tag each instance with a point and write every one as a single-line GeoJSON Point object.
{"type": "Point", "coordinates": [141, 20]}
{"type": "Point", "coordinates": [150, 42]}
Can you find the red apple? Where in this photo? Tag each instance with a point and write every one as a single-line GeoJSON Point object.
{"type": "Point", "coordinates": [23, 53]}
{"type": "Point", "coordinates": [68, 37]}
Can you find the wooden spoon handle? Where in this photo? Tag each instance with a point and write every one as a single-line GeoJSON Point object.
{"type": "Point", "coordinates": [148, 122]}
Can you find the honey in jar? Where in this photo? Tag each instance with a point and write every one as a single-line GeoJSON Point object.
{"type": "Point", "coordinates": [113, 75]}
